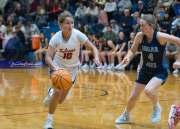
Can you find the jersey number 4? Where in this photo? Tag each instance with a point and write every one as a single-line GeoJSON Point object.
{"type": "Point", "coordinates": [151, 56]}
{"type": "Point", "coordinates": [67, 56]}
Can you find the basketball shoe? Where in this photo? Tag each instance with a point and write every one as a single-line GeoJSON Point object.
{"type": "Point", "coordinates": [122, 67]}
{"type": "Point", "coordinates": [48, 124]}
{"type": "Point", "coordinates": [110, 67]}
{"type": "Point", "coordinates": [176, 71]}
{"type": "Point", "coordinates": [93, 66]}
{"type": "Point", "coordinates": [100, 66]}
{"type": "Point", "coordinates": [174, 116]}
{"type": "Point", "coordinates": [85, 66]}
{"type": "Point", "coordinates": [156, 115]}
{"type": "Point", "coordinates": [117, 66]}
{"type": "Point", "coordinates": [123, 118]}
{"type": "Point", "coordinates": [46, 100]}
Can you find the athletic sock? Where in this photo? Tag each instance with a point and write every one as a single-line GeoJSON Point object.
{"type": "Point", "coordinates": [87, 62]}
{"type": "Point", "coordinates": [50, 116]}
{"type": "Point", "coordinates": [112, 64]}
{"type": "Point", "coordinates": [128, 112]}
{"type": "Point", "coordinates": [156, 105]}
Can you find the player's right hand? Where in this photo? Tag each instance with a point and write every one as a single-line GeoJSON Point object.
{"type": "Point", "coordinates": [176, 65]}
{"type": "Point", "coordinates": [97, 62]}
{"type": "Point", "coordinates": [126, 60]}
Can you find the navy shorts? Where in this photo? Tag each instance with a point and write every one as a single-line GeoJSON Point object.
{"type": "Point", "coordinates": [144, 77]}
{"type": "Point", "coordinates": [50, 71]}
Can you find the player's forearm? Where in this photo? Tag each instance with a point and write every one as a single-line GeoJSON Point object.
{"type": "Point", "coordinates": [178, 56]}
{"type": "Point", "coordinates": [50, 63]}
{"type": "Point", "coordinates": [95, 52]}
{"type": "Point", "coordinates": [130, 54]}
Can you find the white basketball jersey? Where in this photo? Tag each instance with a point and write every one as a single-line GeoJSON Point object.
{"type": "Point", "coordinates": [67, 54]}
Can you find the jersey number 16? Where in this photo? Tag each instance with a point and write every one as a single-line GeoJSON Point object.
{"type": "Point", "coordinates": [67, 56]}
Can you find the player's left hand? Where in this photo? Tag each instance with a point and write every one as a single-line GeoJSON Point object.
{"type": "Point", "coordinates": [176, 65]}
{"type": "Point", "coordinates": [96, 60]}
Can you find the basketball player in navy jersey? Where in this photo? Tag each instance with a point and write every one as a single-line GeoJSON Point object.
{"type": "Point", "coordinates": [154, 71]}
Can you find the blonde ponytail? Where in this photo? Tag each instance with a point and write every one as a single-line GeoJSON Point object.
{"type": "Point", "coordinates": [151, 20]}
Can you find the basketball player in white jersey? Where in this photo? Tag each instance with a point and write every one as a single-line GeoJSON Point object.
{"type": "Point", "coordinates": [66, 43]}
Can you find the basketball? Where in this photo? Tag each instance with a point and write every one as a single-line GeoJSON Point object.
{"type": "Point", "coordinates": [61, 79]}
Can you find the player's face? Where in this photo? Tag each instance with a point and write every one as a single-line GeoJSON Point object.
{"type": "Point", "coordinates": [67, 25]}
{"type": "Point", "coordinates": [145, 27]}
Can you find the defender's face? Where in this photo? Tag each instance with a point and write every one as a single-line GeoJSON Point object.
{"type": "Point", "coordinates": [145, 27]}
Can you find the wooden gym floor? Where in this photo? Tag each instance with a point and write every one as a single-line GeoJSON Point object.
{"type": "Point", "coordinates": [96, 100]}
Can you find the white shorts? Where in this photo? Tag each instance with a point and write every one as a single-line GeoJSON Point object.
{"type": "Point", "coordinates": [73, 71]}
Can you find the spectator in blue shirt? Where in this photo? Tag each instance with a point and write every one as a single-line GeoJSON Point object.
{"type": "Point", "coordinates": [165, 23]}
{"type": "Point", "coordinates": [135, 19]}
{"type": "Point", "coordinates": [12, 46]}
{"type": "Point", "coordinates": [162, 12]}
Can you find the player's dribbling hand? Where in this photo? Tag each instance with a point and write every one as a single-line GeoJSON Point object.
{"type": "Point", "coordinates": [125, 60]}
{"type": "Point", "coordinates": [97, 62]}
{"type": "Point", "coordinates": [176, 65]}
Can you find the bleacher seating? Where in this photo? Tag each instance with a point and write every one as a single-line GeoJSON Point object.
{"type": "Point", "coordinates": [53, 24]}
{"type": "Point", "coordinates": [134, 7]}
{"type": "Point", "coordinates": [72, 10]}
{"type": "Point", "coordinates": [29, 56]}
{"type": "Point", "coordinates": [53, 27]}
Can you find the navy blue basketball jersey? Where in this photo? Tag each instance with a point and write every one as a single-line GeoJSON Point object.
{"type": "Point", "coordinates": [154, 54]}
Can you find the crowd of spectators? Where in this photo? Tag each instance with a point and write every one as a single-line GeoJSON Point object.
{"type": "Point", "coordinates": [118, 22]}
{"type": "Point", "coordinates": [111, 25]}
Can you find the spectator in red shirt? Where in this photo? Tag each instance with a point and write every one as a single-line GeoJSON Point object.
{"type": "Point", "coordinates": [56, 9]}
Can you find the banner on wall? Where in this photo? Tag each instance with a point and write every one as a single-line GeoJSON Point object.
{"type": "Point", "coordinates": [20, 64]}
